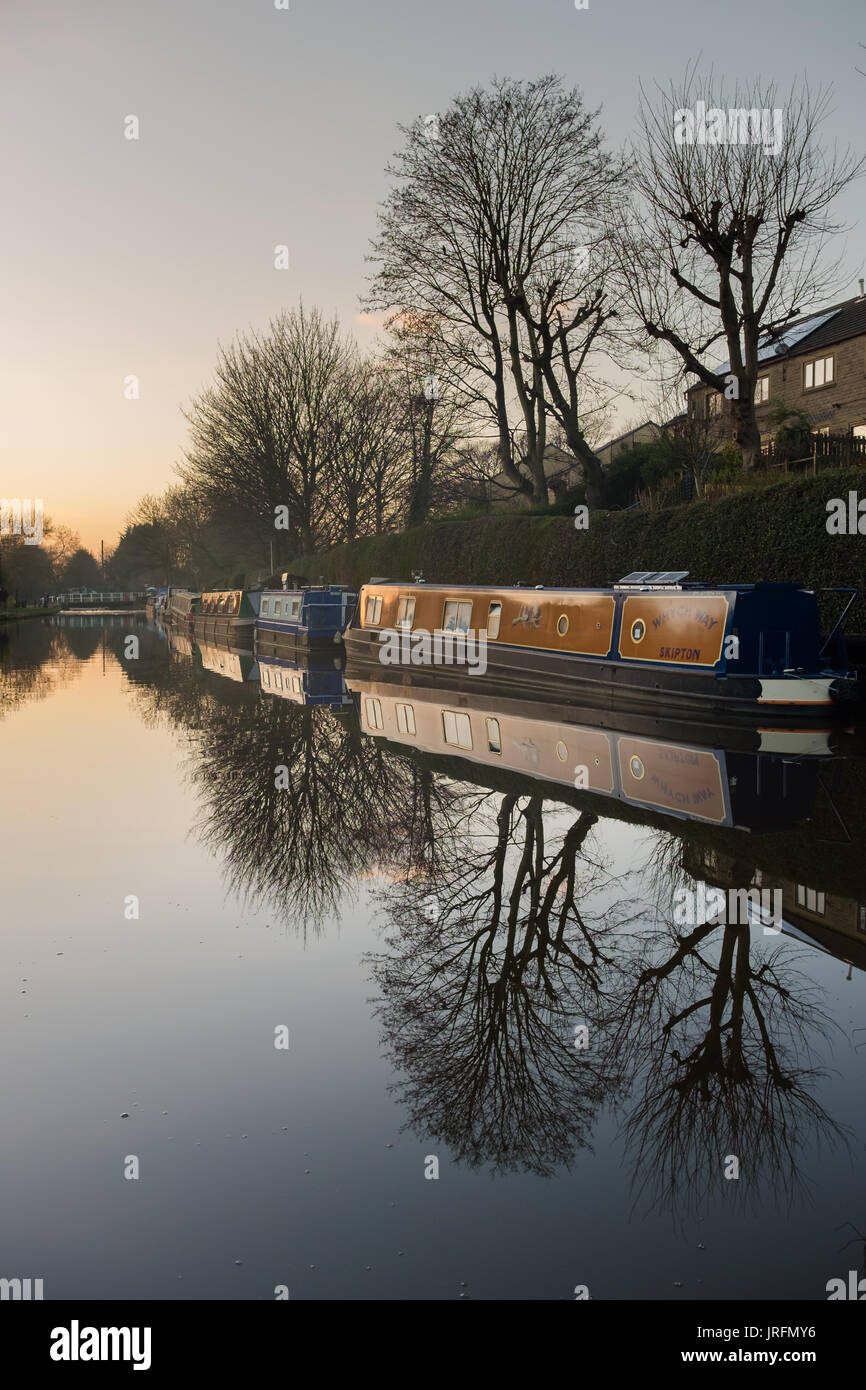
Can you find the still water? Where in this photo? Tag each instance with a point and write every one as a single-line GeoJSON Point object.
{"type": "Point", "coordinates": [481, 972]}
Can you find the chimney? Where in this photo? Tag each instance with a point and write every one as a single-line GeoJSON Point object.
{"type": "Point", "coordinates": [862, 291]}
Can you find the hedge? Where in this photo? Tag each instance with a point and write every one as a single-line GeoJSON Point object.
{"type": "Point", "coordinates": [775, 533]}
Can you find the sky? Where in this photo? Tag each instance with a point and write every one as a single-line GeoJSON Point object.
{"type": "Point", "coordinates": [261, 127]}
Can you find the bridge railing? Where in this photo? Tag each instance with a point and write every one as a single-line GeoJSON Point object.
{"type": "Point", "coordinates": [93, 596]}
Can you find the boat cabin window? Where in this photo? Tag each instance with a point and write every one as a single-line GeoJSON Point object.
{"type": "Point", "coordinates": [494, 617]}
{"type": "Point", "coordinates": [456, 616]}
{"type": "Point", "coordinates": [265, 609]}
{"type": "Point", "coordinates": [406, 719]}
{"type": "Point", "coordinates": [494, 738]}
{"type": "Point", "coordinates": [373, 609]}
{"type": "Point", "coordinates": [457, 729]}
{"type": "Point", "coordinates": [374, 711]}
{"type": "Point", "coordinates": [406, 612]}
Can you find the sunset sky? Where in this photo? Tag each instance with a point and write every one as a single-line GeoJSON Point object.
{"type": "Point", "coordinates": [261, 126]}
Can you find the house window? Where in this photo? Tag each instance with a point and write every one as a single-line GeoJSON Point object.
{"type": "Point", "coordinates": [494, 617]}
{"type": "Point", "coordinates": [406, 612]}
{"type": "Point", "coordinates": [861, 917]}
{"type": "Point", "coordinates": [494, 738]}
{"type": "Point", "coordinates": [295, 608]}
{"type": "Point", "coordinates": [373, 610]}
{"type": "Point", "coordinates": [817, 373]}
{"type": "Point", "coordinates": [456, 616]}
{"type": "Point", "coordinates": [859, 431]}
{"type": "Point", "coordinates": [762, 390]}
{"type": "Point", "coordinates": [405, 719]}
{"type": "Point", "coordinates": [811, 899]}
{"type": "Point", "coordinates": [457, 729]}
{"type": "Point", "coordinates": [714, 403]}
{"type": "Point", "coordinates": [374, 713]}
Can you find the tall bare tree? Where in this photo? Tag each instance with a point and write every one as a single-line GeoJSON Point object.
{"type": "Point", "coordinates": [488, 231]}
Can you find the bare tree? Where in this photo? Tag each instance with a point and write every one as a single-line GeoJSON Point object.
{"type": "Point", "coordinates": [486, 231]}
{"type": "Point", "coordinates": [726, 243]}
{"type": "Point", "coordinates": [260, 437]}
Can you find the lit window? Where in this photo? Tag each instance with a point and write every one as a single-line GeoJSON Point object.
{"type": "Point", "coordinates": [494, 617]}
{"type": "Point", "coordinates": [456, 617]}
{"type": "Point", "coordinates": [494, 738]}
{"type": "Point", "coordinates": [405, 612]}
{"type": "Point", "coordinates": [374, 713]}
{"type": "Point", "coordinates": [859, 431]}
{"type": "Point", "coordinates": [818, 373]}
{"type": "Point", "coordinates": [762, 390]}
{"type": "Point", "coordinates": [405, 719]}
{"type": "Point", "coordinates": [714, 403]}
{"type": "Point", "coordinates": [457, 729]}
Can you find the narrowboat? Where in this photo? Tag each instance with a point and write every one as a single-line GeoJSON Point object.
{"type": "Point", "coordinates": [766, 780]}
{"type": "Point", "coordinates": [293, 620]}
{"type": "Point", "coordinates": [227, 614]}
{"type": "Point", "coordinates": [155, 603]}
{"type": "Point", "coordinates": [313, 683]}
{"type": "Point", "coordinates": [728, 650]}
{"type": "Point", "coordinates": [180, 608]}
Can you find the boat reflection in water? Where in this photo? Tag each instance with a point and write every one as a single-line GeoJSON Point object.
{"type": "Point", "coordinates": [313, 682]}
{"type": "Point", "coordinates": [228, 661]}
{"type": "Point", "coordinates": [761, 779]}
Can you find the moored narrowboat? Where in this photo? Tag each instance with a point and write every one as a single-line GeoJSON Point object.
{"type": "Point", "coordinates": [727, 650]}
{"type": "Point", "coordinates": [225, 614]}
{"type": "Point", "coordinates": [180, 607]}
{"type": "Point", "coordinates": [294, 620]}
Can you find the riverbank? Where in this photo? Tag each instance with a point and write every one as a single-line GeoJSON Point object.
{"type": "Point", "coordinates": [20, 615]}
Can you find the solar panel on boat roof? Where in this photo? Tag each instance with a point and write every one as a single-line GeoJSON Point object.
{"type": "Point", "coordinates": [655, 577]}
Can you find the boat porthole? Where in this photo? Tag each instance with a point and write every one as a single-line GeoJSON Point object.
{"type": "Point", "coordinates": [638, 630]}
{"type": "Point", "coordinates": [636, 768]}
{"type": "Point", "coordinates": [562, 625]}
{"type": "Point", "coordinates": [561, 751]}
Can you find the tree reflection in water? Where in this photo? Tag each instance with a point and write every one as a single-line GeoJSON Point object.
{"type": "Point", "coordinates": [720, 1032]}
{"type": "Point", "coordinates": [492, 962]}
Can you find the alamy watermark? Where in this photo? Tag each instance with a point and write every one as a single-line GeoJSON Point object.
{"type": "Point", "coordinates": [21, 516]}
{"type": "Point", "coordinates": [439, 648]}
{"type": "Point", "coordinates": [736, 125]}
{"type": "Point", "coordinates": [729, 907]}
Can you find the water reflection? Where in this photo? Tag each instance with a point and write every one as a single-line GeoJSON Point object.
{"type": "Point", "coordinates": [511, 923]}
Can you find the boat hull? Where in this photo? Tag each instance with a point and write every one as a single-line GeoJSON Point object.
{"type": "Point", "coordinates": [617, 686]}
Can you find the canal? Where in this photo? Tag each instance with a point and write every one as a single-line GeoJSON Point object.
{"type": "Point", "coordinates": [299, 1002]}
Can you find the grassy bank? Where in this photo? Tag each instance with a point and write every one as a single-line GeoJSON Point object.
{"type": "Point", "coordinates": [776, 533]}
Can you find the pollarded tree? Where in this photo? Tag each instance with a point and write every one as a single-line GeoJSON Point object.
{"type": "Point", "coordinates": [725, 244]}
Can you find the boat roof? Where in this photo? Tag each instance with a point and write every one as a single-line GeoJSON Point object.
{"type": "Point", "coordinates": [630, 582]}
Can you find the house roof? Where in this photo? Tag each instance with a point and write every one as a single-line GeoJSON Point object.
{"type": "Point", "coordinates": [812, 332]}
{"type": "Point", "coordinates": [647, 424]}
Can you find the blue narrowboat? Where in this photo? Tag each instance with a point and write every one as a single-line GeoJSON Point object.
{"type": "Point", "coordinates": [297, 619]}
{"type": "Point", "coordinates": [650, 640]}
